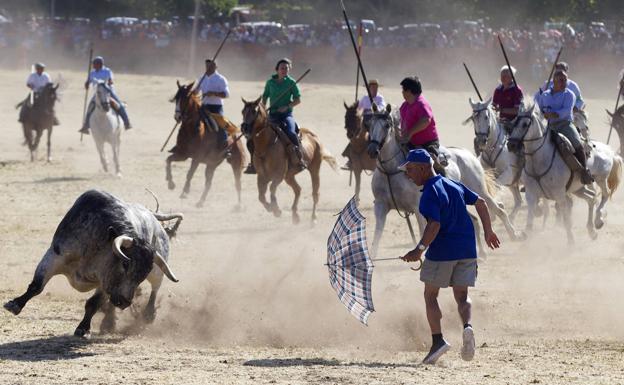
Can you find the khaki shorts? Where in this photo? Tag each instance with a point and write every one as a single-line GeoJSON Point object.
{"type": "Point", "coordinates": [462, 272]}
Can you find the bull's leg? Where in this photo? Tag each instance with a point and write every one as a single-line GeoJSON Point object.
{"type": "Point", "coordinates": [49, 157]}
{"type": "Point", "coordinates": [381, 211]}
{"type": "Point", "coordinates": [108, 322]}
{"type": "Point", "coordinates": [189, 177]}
{"type": "Point", "coordinates": [292, 182]}
{"type": "Point", "coordinates": [209, 173]}
{"type": "Point", "coordinates": [172, 158]}
{"type": "Point", "coordinates": [149, 314]}
{"type": "Point", "coordinates": [91, 307]}
{"type": "Point", "coordinates": [45, 270]}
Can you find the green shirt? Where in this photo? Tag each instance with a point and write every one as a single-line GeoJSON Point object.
{"type": "Point", "coordinates": [273, 89]}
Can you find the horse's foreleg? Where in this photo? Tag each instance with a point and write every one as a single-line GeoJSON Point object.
{"type": "Point", "coordinates": [601, 211]}
{"type": "Point", "coordinates": [316, 186]}
{"type": "Point", "coordinates": [381, 212]}
{"type": "Point", "coordinates": [357, 172]}
{"type": "Point", "coordinates": [209, 173]}
{"type": "Point", "coordinates": [500, 213]}
{"type": "Point", "coordinates": [116, 146]}
{"type": "Point", "coordinates": [99, 144]}
{"type": "Point", "coordinates": [263, 183]}
{"type": "Point", "coordinates": [49, 157]}
{"type": "Point", "coordinates": [591, 203]}
{"type": "Point", "coordinates": [566, 214]}
{"type": "Point", "coordinates": [532, 202]}
{"type": "Point", "coordinates": [238, 172]}
{"type": "Point", "coordinates": [170, 159]}
{"type": "Point", "coordinates": [292, 182]}
{"type": "Point", "coordinates": [189, 177]}
{"type": "Point", "coordinates": [517, 197]}
{"type": "Point", "coordinates": [272, 190]}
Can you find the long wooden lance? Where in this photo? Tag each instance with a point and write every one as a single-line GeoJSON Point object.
{"type": "Point", "coordinates": [357, 68]}
{"type": "Point", "coordinates": [617, 104]}
{"type": "Point", "coordinates": [346, 18]}
{"type": "Point", "coordinates": [507, 61]}
{"type": "Point", "coordinates": [84, 105]}
{"type": "Point", "coordinates": [197, 85]}
{"type": "Point", "coordinates": [474, 85]}
{"type": "Point", "coordinates": [552, 69]}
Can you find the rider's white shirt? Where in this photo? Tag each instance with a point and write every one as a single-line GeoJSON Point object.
{"type": "Point", "coordinates": [214, 83]}
{"type": "Point", "coordinates": [38, 81]}
{"type": "Point", "coordinates": [365, 103]}
{"type": "Point", "coordinates": [103, 75]}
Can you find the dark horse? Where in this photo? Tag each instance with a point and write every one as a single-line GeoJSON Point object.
{"type": "Point", "coordinates": [38, 117]}
{"type": "Point", "coordinates": [197, 139]}
{"type": "Point", "coordinates": [358, 143]}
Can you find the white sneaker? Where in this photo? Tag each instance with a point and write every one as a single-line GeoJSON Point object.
{"type": "Point", "coordinates": [468, 348]}
{"type": "Point", "coordinates": [436, 352]}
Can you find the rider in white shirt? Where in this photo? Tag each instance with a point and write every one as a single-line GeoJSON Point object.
{"type": "Point", "coordinates": [102, 74]}
{"type": "Point", "coordinates": [36, 81]}
{"type": "Point", "coordinates": [214, 88]}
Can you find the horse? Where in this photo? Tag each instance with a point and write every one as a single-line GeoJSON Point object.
{"type": "Point", "coordinates": [38, 117]}
{"type": "Point", "coordinates": [105, 126]}
{"type": "Point", "coordinates": [393, 189]}
{"type": "Point", "coordinates": [546, 175]}
{"type": "Point", "coordinates": [197, 139]}
{"type": "Point", "coordinates": [491, 140]}
{"type": "Point", "coordinates": [358, 142]}
{"type": "Point", "coordinates": [271, 160]}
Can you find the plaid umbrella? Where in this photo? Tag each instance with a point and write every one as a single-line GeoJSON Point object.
{"type": "Point", "coordinates": [350, 267]}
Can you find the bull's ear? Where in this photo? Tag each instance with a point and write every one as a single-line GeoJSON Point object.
{"type": "Point", "coordinates": [112, 234]}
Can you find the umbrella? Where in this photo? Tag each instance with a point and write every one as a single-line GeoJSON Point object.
{"type": "Point", "coordinates": [350, 267]}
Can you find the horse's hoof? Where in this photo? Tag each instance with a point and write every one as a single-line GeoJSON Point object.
{"type": "Point", "coordinates": [593, 235]}
{"type": "Point", "coordinates": [238, 208]}
{"type": "Point", "coordinates": [108, 325]}
{"type": "Point", "coordinates": [520, 236]}
{"type": "Point", "coordinates": [296, 219]}
{"type": "Point", "coordinates": [313, 223]}
{"type": "Point", "coordinates": [118, 175]}
{"type": "Point", "coordinates": [278, 213]}
{"type": "Point", "coordinates": [171, 185]}
{"type": "Point", "coordinates": [183, 195]}
{"type": "Point", "coordinates": [13, 307]}
{"type": "Point", "coordinates": [82, 333]}
{"type": "Point", "coordinates": [599, 223]}
{"type": "Point", "coordinates": [49, 160]}
{"type": "Point", "coordinates": [199, 204]}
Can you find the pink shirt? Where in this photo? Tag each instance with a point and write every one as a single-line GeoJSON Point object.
{"type": "Point", "coordinates": [412, 113]}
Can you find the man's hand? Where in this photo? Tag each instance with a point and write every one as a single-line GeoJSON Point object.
{"type": "Point", "coordinates": [551, 115]}
{"type": "Point", "coordinates": [413, 256]}
{"type": "Point", "coordinates": [87, 85]}
{"type": "Point", "coordinates": [491, 239]}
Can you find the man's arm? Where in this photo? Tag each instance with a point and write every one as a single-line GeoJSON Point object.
{"type": "Point", "coordinates": [484, 215]}
{"type": "Point", "coordinates": [419, 126]}
{"type": "Point", "coordinates": [429, 234]}
{"type": "Point", "coordinates": [568, 103]}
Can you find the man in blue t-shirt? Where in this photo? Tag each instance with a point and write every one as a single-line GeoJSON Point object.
{"type": "Point", "coordinates": [449, 239]}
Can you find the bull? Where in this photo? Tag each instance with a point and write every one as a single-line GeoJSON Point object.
{"type": "Point", "coordinates": [106, 244]}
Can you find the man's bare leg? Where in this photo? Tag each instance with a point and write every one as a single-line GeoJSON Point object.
{"type": "Point", "coordinates": [464, 307]}
{"type": "Point", "coordinates": [438, 346]}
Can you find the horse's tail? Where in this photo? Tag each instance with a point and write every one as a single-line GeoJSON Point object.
{"type": "Point", "coordinates": [615, 175]}
{"type": "Point", "coordinates": [489, 179]}
{"type": "Point", "coordinates": [329, 158]}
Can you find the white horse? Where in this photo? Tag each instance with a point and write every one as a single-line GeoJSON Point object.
{"type": "Point", "coordinates": [105, 126]}
{"type": "Point", "coordinates": [546, 176]}
{"type": "Point", "coordinates": [491, 140]}
{"type": "Point", "coordinates": [394, 190]}
{"type": "Point", "coordinates": [606, 169]}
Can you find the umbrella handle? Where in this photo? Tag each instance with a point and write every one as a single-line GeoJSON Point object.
{"type": "Point", "coordinates": [419, 266]}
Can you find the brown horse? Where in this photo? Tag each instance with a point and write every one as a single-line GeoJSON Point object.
{"type": "Point", "coordinates": [358, 143]}
{"type": "Point", "coordinates": [198, 141]}
{"type": "Point", "coordinates": [38, 117]}
{"type": "Point", "coordinates": [272, 162]}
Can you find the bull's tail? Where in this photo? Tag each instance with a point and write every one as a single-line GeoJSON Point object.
{"type": "Point", "coordinates": [615, 176]}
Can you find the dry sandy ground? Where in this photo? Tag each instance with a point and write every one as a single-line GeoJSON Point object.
{"type": "Point", "coordinates": [254, 305]}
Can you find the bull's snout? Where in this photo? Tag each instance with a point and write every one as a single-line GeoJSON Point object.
{"type": "Point", "coordinates": [373, 150]}
{"type": "Point", "coordinates": [120, 301]}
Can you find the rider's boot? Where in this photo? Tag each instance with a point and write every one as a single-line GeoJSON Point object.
{"type": "Point", "coordinates": [296, 157]}
{"type": "Point", "coordinates": [586, 176]}
{"type": "Point", "coordinates": [84, 129]}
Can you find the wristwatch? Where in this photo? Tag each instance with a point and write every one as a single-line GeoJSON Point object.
{"type": "Point", "coordinates": [421, 247]}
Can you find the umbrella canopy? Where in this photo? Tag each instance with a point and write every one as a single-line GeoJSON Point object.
{"type": "Point", "coordinates": [350, 267]}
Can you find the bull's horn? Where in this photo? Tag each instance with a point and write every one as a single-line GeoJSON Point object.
{"type": "Point", "coordinates": [118, 242]}
{"type": "Point", "coordinates": [164, 267]}
{"type": "Point", "coordinates": [168, 217]}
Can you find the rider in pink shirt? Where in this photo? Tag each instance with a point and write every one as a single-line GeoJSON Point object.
{"type": "Point", "coordinates": [418, 127]}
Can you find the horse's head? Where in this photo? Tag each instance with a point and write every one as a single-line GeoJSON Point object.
{"type": "Point", "coordinates": [353, 120]}
{"type": "Point", "coordinates": [381, 123]}
{"type": "Point", "coordinates": [184, 97]}
{"type": "Point", "coordinates": [251, 111]}
{"type": "Point", "coordinates": [525, 127]}
{"type": "Point", "coordinates": [103, 96]}
{"type": "Point", "coordinates": [483, 120]}
{"type": "Point", "coordinates": [46, 97]}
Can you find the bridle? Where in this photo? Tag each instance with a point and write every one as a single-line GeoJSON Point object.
{"type": "Point", "coordinates": [387, 128]}
{"type": "Point", "coordinates": [104, 104]}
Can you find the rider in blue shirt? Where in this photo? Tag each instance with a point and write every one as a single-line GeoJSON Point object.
{"type": "Point", "coordinates": [102, 74]}
{"type": "Point", "coordinates": [449, 238]}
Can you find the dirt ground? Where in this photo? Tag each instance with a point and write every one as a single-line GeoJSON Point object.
{"type": "Point", "coordinates": [254, 304]}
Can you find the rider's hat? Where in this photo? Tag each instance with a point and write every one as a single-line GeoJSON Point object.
{"type": "Point", "coordinates": [418, 155]}
{"type": "Point", "coordinates": [98, 59]}
{"type": "Point", "coordinates": [506, 68]}
{"type": "Point", "coordinates": [373, 81]}
{"type": "Point", "coordinates": [39, 65]}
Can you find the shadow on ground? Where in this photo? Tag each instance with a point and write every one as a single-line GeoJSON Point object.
{"type": "Point", "coordinates": [51, 348]}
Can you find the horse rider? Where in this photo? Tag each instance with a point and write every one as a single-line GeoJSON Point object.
{"type": "Point", "coordinates": [507, 98]}
{"type": "Point", "coordinates": [557, 104]}
{"type": "Point", "coordinates": [36, 81]}
{"type": "Point", "coordinates": [418, 126]}
{"type": "Point", "coordinates": [449, 238]}
{"type": "Point", "coordinates": [365, 106]}
{"type": "Point", "coordinates": [214, 88]}
{"type": "Point", "coordinates": [285, 95]}
{"type": "Point", "coordinates": [103, 74]}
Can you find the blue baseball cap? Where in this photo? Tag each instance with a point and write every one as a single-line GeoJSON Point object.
{"type": "Point", "coordinates": [418, 155]}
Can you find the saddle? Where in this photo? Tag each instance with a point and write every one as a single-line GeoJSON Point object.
{"type": "Point", "coordinates": [567, 152]}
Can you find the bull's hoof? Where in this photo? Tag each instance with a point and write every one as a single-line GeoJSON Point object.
{"type": "Point", "coordinates": [13, 307]}
{"type": "Point", "coordinates": [149, 315]}
{"type": "Point", "coordinates": [107, 326]}
{"type": "Point", "coordinates": [171, 185]}
{"type": "Point", "coordinates": [82, 333]}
